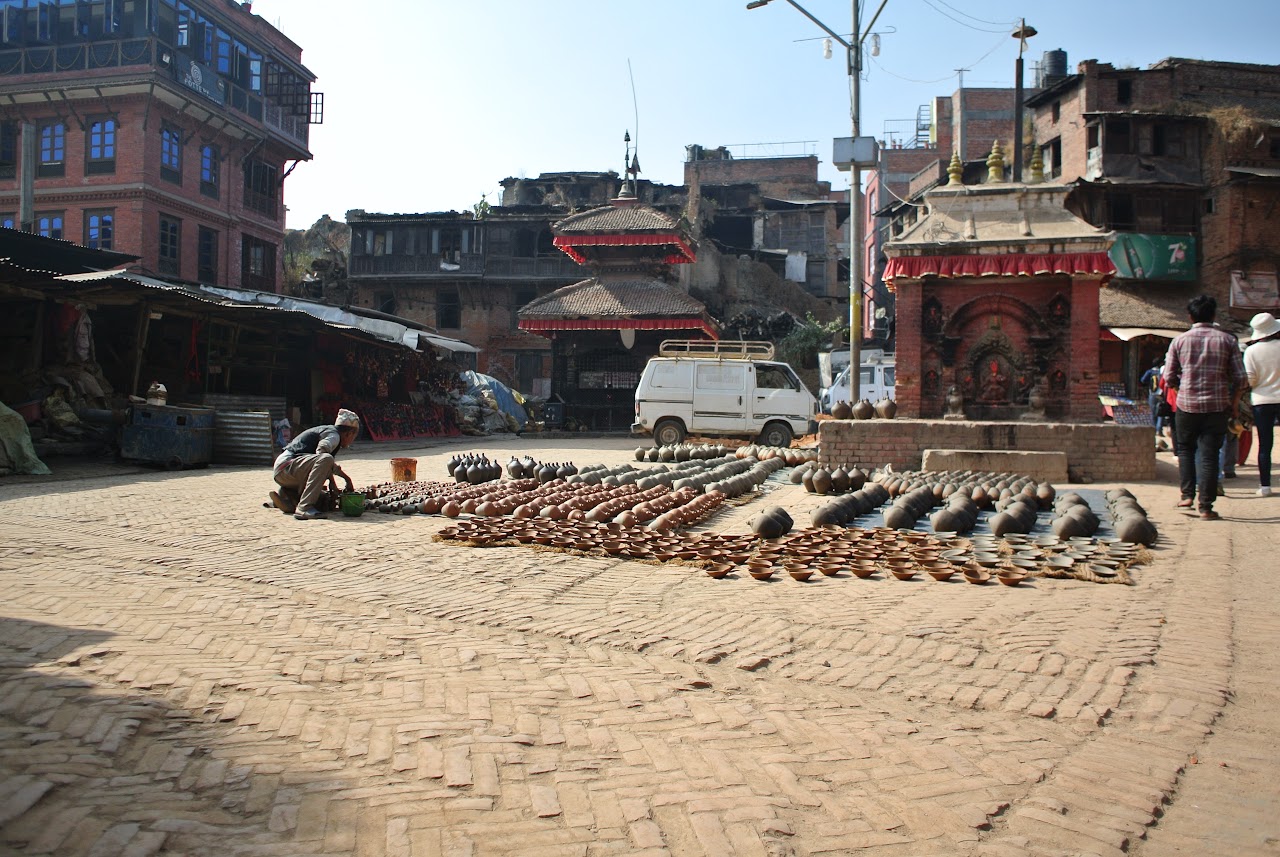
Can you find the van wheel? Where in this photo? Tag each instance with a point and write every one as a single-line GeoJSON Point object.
{"type": "Point", "coordinates": [776, 434]}
{"type": "Point", "coordinates": [668, 433]}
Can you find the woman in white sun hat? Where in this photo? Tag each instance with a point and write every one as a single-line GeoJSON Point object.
{"type": "Point", "coordinates": [1262, 366]}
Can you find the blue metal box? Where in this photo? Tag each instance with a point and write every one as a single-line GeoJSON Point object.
{"type": "Point", "coordinates": [172, 436]}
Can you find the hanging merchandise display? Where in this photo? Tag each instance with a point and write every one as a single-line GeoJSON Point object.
{"type": "Point", "coordinates": [397, 392]}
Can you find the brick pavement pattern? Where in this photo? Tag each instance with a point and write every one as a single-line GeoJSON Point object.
{"type": "Point", "coordinates": [195, 682]}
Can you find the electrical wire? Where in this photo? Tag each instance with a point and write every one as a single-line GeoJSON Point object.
{"type": "Point", "coordinates": [960, 22]}
{"type": "Point", "coordinates": [971, 65]}
{"type": "Point", "coordinates": [972, 17]}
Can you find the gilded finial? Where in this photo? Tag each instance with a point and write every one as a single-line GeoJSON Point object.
{"type": "Point", "coordinates": [995, 163]}
{"type": "Point", "coordinates": [1037, 168]}
{"type": "Point", "coordinates": [955, 170]}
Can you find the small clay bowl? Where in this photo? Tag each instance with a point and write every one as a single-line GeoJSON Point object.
{"type": "Point", "coordinates": [800, 574]}
{"type": "Point", "coordinates": [719, 570]}
{"type": "Point", "coordinates": [1024, 564]}
{"type": "Point", "coordinates": [863, 569]}
{"type": "Point", "coordinates": [1011, 578]}
{"type": "Point", "coordinates": [1060, 562]}
{"type": "Point", "coordinates": [613, 546]}
{"type": "Point", "coordinates": [761, 573]}
{"type": "Point", "coordinates": [990, 560]}
{"type": "Point", "coordinates": [940, 573]}
{"type": "Point", "coordinates": [976, 576]}
{"type": "Point", "coordinates": [903, 573]}
{"type": "Point", "coordinates": [831, 569]}
{"type": "Point", "coordinates": [896, 565]}
{"type": "Point", "coordinates": [663, 555]}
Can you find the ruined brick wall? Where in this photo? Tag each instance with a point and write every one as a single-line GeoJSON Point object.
{"type": "Point", "coordinates": [1096, 452]}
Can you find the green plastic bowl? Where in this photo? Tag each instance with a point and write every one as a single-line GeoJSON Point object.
{"type": "Point", "coordinates": [352, 504]}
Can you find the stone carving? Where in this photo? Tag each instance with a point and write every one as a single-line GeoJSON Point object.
{"type": "Point", "coordinates": [955, 404]}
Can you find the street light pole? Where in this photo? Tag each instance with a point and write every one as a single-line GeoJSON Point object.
{"type": "Point", "coordinates": [853, 53]}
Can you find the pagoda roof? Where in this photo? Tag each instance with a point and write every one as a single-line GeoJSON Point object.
{"type": "Point", "coordinates": [617, 218]}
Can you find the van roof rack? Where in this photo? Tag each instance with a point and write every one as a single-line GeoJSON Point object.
{"type": "Point", "coordinates": [725, 349]}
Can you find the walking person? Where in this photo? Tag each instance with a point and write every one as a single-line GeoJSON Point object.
{"type": "Point", "coordinates": [1262, 366]}
{"type": "Point", "coordinates": [1205, 367]}
{"type": "Point", "coordinates": [304, 466]}
{"type": "Point", "coordinates": [1155, 397]}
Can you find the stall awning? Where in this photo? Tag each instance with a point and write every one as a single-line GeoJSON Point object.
{"type": "Point", "coordinates": [548, 324]}
{"type": "Point", "coordinates": [1124, 334]}
{"type": "Point", "coordinates": [1006, 265]}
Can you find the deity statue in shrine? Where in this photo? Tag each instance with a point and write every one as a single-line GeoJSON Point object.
{"type": "Point", "coordinates": [995, 386]}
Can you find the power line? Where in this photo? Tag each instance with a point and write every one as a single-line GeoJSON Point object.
{"type": "Point", "coordinates": [960, 22]}
{"type": "Point", "coordinates": [971, 65]}
{"type": "Point", "coordinates": [972, 17]}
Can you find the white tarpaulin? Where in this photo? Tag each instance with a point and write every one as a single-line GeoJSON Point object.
{"type": "Point", "coordinates": [1126, 333]}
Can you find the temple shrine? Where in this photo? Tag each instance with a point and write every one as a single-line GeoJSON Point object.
{"type": "Point", "coordinates": [997, 289]}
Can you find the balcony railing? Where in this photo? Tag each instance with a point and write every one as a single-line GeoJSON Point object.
{"type": "Point", "coordinates": [126, 53]}
{"type": "Point", "coordinates": [430, 265]}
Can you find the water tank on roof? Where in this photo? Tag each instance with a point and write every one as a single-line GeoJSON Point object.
{"type": "Point", "coordinates": [1053, 67]}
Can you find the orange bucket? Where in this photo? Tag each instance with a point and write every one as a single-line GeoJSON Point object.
{"type": "Point", "coordinates": [404, 469]}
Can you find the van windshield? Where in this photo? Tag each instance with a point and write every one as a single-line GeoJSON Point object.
{"type": "Point", "coordinates": [888, 376]}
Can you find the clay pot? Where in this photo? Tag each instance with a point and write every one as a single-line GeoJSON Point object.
{"type": "Point", "coordinates": [840, 480]}
{"type": "Point", "coordinates": [772, 523]}
{"type": "Point", "coordinates": [886, 408]}
{"type": "Point", "coordinates": [842, 411]}
{"type": "Point", "coordinates": [821, 481]}
{"type": "Point", "coordinates": [864, 410]}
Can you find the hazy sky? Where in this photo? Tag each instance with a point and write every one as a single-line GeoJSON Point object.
{"type": "Point", "coordinates": [431, 103]}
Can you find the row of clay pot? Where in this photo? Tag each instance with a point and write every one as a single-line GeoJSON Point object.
{"type": "Point", "coordinates": [885, 409]}
{"type": "Point", "coordinates": [984, 488]}
{"type": "Point", "coordinates": [830, 551]}
{"type": "Point", "coordinates": [842, 511]}
{"type": "Point", "coordinates": [681, 452]}
{"type": "Point", "coordinates": [790, 456]}
{"type": "Point", "coordinates": [408, 498]}
{"type": "Point", "coordinates": [818, 479]}
{"type": "Point", "coordinates": [1130, 519]}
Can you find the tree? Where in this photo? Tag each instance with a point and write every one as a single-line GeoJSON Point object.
{"type": "Point", "coordinates": [327, 241]}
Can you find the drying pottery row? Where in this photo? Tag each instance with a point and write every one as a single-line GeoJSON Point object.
{"type": "Point", "coordinates": [789, 456]}
{"type": "Point", "coordinates": [1129, 518]}
{"type": "Point", "coordinates": [681, 452]}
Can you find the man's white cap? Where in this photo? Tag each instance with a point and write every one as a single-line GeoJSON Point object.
{"type": "Point", "coordinates": [346, 418]}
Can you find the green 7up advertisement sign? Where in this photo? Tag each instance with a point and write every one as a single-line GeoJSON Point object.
{"type": "Point", "coordinates": [1139, 256]}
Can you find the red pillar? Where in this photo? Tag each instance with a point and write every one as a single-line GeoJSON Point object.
{"type": "Point", "coordinates": [907, 308]}
{"type": "Point", "coordinates": [1082, 377]}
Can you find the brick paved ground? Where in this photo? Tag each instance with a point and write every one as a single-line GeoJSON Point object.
{"type": "Point", "coordinates": [185, 672]}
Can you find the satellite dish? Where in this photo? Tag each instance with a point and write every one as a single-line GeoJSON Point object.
{"type": "Point", "coordinates": [628, 338]}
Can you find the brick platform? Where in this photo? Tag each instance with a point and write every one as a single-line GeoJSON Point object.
{"type": "Point", "coordinates": [1095, 451]}
{"type": "Point", "coordinates": [1044, 466]}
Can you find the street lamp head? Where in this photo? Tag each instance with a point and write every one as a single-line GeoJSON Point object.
{"type": "Point", "coordinates": [1026, 31]}
{"type": "Point", "coordinates": [756, 4]}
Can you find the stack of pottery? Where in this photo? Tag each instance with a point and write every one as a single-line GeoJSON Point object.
{"type": "Point", "coordinates": [908, 508]}
{"type": "Point", "coordinates": [1074, 517]}
{"type": "Point", "coordinates": [772, 523]}
{"type": "Point", "coordinates": [958, 515]}
{"type": "Point", "coordinates": [1130, 519]}
{"type": "Point", "coordinates": [853, 505]}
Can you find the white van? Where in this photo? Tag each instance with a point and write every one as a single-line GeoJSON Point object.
{"type": "Point", "coordinates": [728, 388]}
{"type": "Point", "coordinates": [877, 382]}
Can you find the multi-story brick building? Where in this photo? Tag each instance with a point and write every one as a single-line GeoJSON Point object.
{"type": "Point", "coordinates": [1182, 160]}
{"type": "Point", "coordinates": [163, 129]}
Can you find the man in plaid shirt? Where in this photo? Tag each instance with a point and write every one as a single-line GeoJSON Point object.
{"type": "Point", "coordinates": [1205, 367]}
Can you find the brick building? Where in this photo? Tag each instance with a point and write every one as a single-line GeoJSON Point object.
{"type": "Point", "coordinates": [774, 209]}
{"type": "Point", "coordinates": [1182, 160]}
{"type": "Point", "coordinates": [162, 129]}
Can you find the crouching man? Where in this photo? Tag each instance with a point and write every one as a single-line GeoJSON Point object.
{"type": "Point", "coordinates": [304, 466]}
